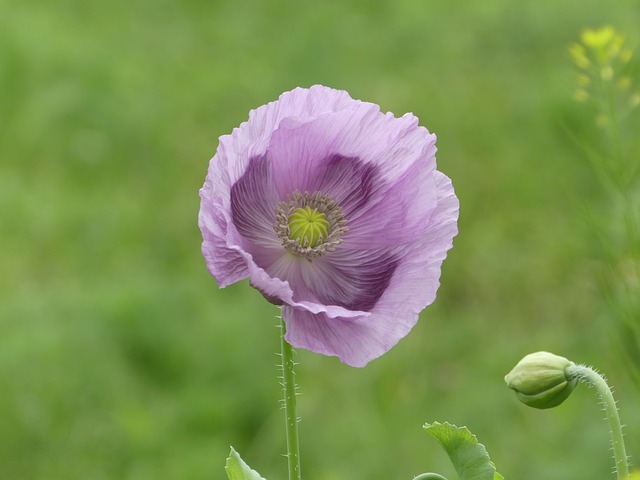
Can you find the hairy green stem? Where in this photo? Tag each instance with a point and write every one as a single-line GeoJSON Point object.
{"type": "Point", "coordinates": [430, 476]}
{"type": "Point", "coordinates": [593, 378]}
{"type": "Point", "coordinates": [289, 387]}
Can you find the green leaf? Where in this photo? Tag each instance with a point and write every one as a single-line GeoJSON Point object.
{"type": "Point", "coordinates": [238, 470]}
{"type": "Point", "coordinates": [469, 458]}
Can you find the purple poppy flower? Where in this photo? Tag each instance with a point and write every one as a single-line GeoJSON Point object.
{"type": "Point", "coordinates": [335, 211]}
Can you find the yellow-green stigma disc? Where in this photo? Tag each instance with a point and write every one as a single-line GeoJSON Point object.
{"type": "Point", "coordinates": [308, 226]}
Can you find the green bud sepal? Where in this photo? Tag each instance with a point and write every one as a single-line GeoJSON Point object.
{"type": "Point", "coordinates": [540, 380]}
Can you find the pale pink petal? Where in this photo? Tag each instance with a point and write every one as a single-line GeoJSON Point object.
{"type": "Point", "coordinates": [355, 341]}
{"type": "Point", "coordinates": [299, 147]}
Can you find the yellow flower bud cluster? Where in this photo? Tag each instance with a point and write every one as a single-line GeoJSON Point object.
{"type": "Point", "coordinates": [602, 58]}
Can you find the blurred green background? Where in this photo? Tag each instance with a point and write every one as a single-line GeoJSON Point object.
{"type": "Point", "coordinates": [120, 358]}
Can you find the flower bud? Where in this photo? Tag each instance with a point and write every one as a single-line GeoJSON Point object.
{"type": "Point", "coordinates": [539, 380]}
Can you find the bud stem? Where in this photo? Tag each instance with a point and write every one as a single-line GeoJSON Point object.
{"type": "Point", "coordinates": [593, 378]}
{"type": "Point", "coordinates": [289, 387]}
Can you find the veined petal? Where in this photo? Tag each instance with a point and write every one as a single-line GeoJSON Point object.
{"type": "Point", "coordinates": [412, 287]}
{"type": "Point", "coordinates": [353, 280]}
{"type": "Point", "coordinates": [274, 287]}
{"type": "Point", "coordinates": [223, 263]}
{"type": "Point", "coordinates": [251, 138]}
{"type": "Point", "coordinates": [397, 213]}
{"type": "Point", "coordinates": [355, 341]}
{"type": "Point", "coordinates": [300, 147]}
{"type": "Point", "coordinates": [384, 203]}
{"type": "Point", "coordinates": [417, 278]}
{"type": "Point", "coordinates": [254, 201]}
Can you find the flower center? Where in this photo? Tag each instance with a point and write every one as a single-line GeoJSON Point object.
{"type": "Point", "coordinates": [310, 225]}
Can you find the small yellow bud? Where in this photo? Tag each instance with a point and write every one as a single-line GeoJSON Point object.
{"type": "Point", "coordinates": [606, 73]}
{"type": "Point", "coordinates": [624, 82]}
{"type": "Point", "coordinates": [584, 80]}
{"type": "Point", "coordinates": [539, 380]}
{"type": "Point", "coordinates": [598, 39]}
{"type": "Point", "coordinates": [579, 56]}
{"type": "Point", "coordinates": [602, 120]}
{"type": "Point", "coordinates": [581, 95]}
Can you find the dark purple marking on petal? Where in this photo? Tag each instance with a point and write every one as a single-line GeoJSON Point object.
{"type": "Point", "coordinates": [269, 298]}
{"type": "Point", "coordinates": [355, 283]}
{"type": "Point", "coordinates": [348, 180]}
{"type": "Point", "coordinates": [254, 201]}
{"type": "Point", "coordinates": [225, 264]}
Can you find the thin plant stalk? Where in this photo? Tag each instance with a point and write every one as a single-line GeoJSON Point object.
{"type": "Point", "coordinates": [593, 378]}
{"type": "Point", "coordinates": [289, 388]}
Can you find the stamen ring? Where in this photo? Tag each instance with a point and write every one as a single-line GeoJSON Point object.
{"type": "Point", "coordinates": [321, 204]}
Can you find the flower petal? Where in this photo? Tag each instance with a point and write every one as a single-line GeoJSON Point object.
{"type": "Point", "coordinates": [299, 146]}
{"type": "Point", "coordinates": [417, 278]}
{"type": "Point", "coordinates": [355, 341]}
{"type": "Point", "coordinates": [347, 180]}
{"type": "Point", "coordinates": [385, 203]}
{"type": "Point", "coordinates": [254, 201]}
{"type": "Point", "coordinates": [353, 280]}
{"type": "Point", "coordinates": [223, 263]}
{"type": "Point", "coordinates": [397, 212]}
{"type": "Point", "coordinates": [251, 138]}
{"type": "Point", "coordinates": [308, 287]}
{"type": "Point", "coordinates": [412, 287]}
{"type": "Point", "coordinates": [231, 162]}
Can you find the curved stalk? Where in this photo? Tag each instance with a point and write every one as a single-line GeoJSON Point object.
{"type": "Point", "coordinates": [596, 380]}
